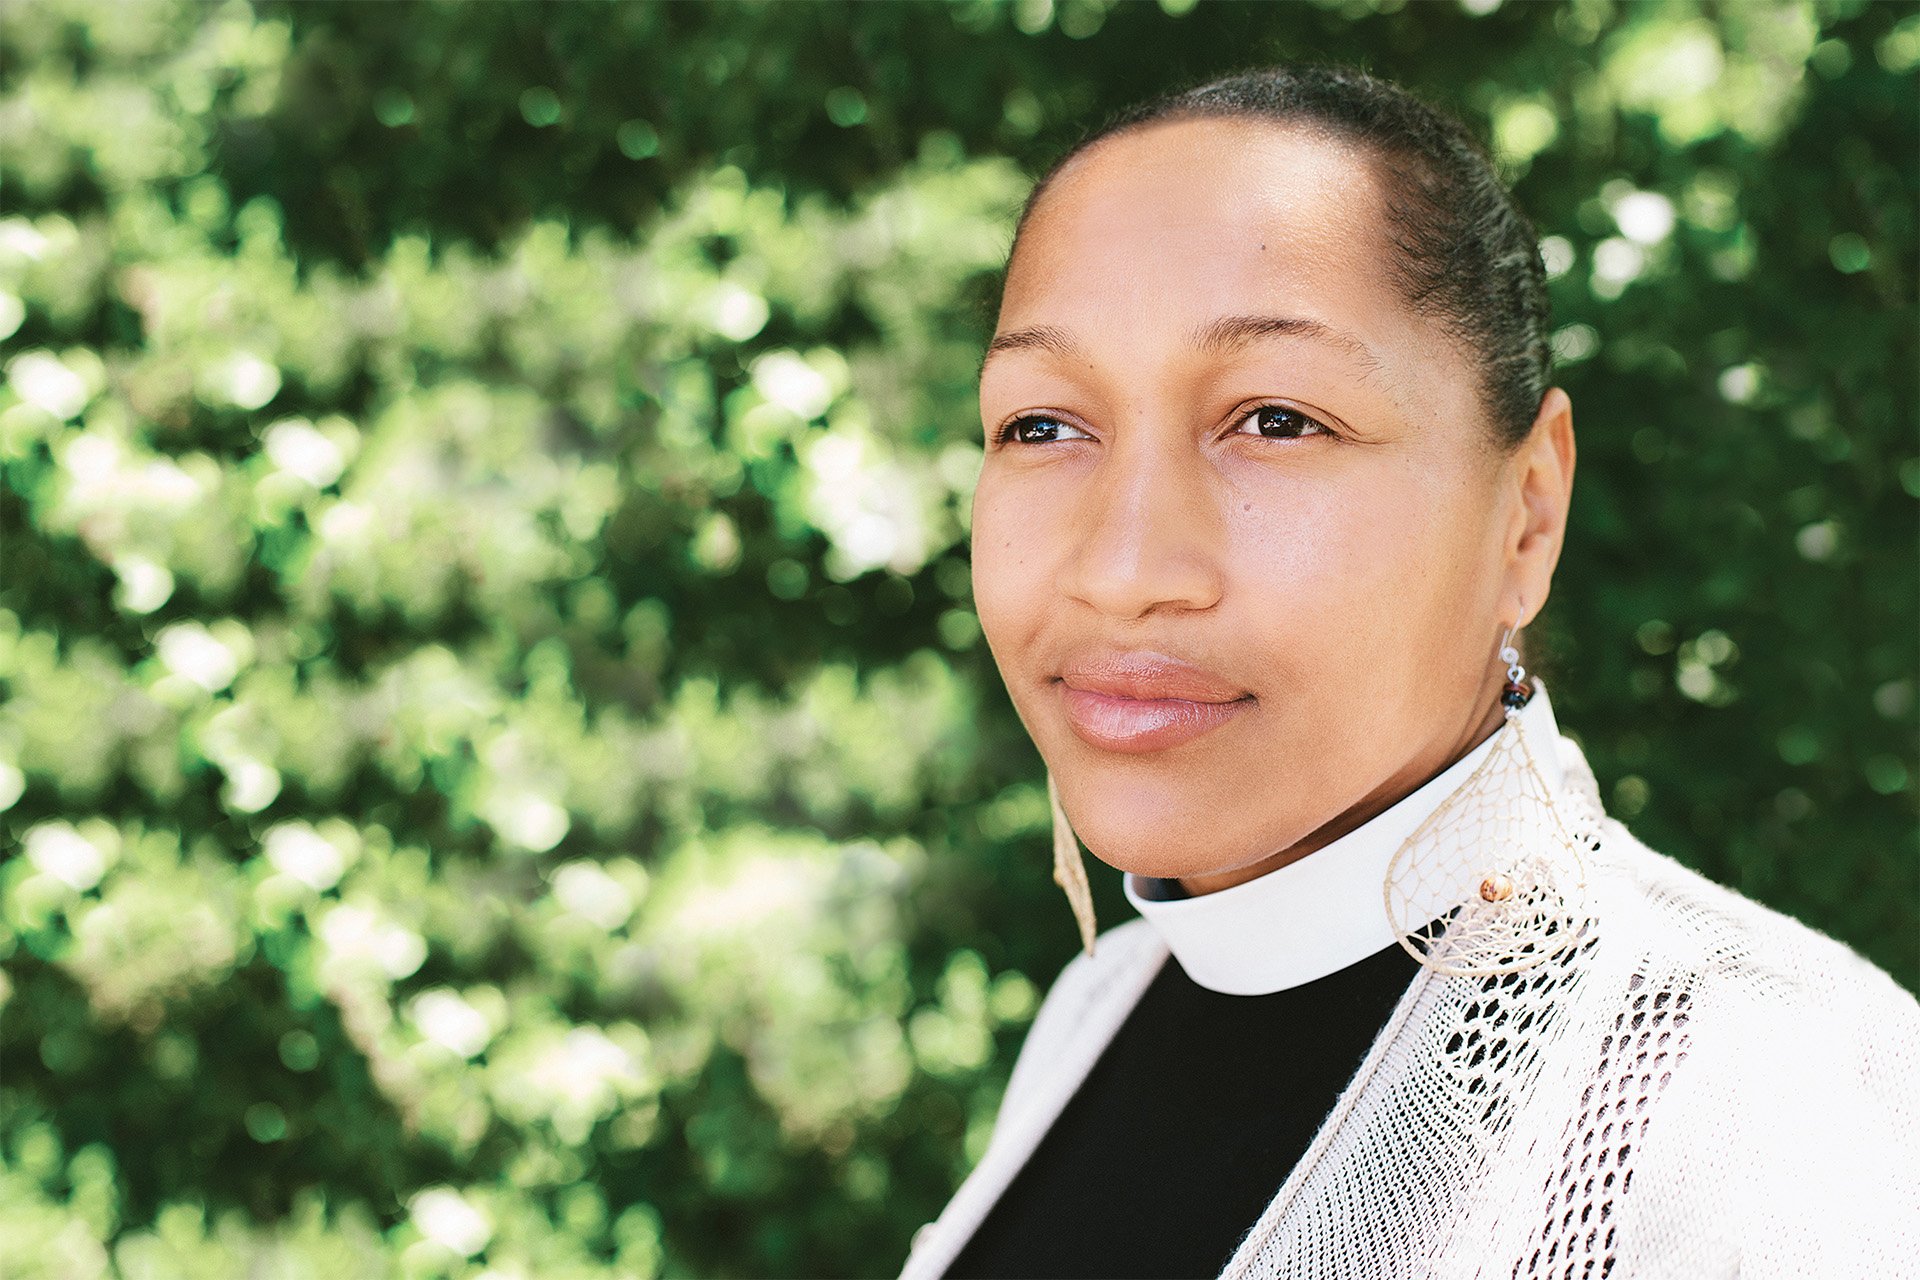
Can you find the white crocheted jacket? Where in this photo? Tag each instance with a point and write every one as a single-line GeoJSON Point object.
{"type": "Point", "coordinates": [1705, 1089]}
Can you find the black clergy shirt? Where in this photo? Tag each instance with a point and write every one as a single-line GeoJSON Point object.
{"type": "Point", "coordinates": [1188, 1123]}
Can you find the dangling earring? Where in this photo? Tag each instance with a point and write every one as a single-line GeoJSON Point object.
{"type": "Point", "coordinates": [1493, 881]}
{"type": "Point", "coordinates": [1069, 869]}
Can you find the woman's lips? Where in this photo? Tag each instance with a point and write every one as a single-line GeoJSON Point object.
{"type": "Point", "coordinates": [1143, 724]}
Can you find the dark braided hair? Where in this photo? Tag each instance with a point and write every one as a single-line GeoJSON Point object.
{"type": "Point", "coordinates": [1466, 257]}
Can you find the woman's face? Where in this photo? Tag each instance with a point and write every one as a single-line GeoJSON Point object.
{"type": "Point", "coordinates": [1245, 562]}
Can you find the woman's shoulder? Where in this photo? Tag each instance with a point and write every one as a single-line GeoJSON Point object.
{"type": "Point", "coordinates": [1779, 1067]}
{"type": "Point", "coordinates": [1690, 921]}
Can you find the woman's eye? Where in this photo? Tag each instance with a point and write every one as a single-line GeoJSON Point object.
{"type": "Point", "coordinates": [1035, 429]}
{"type": "Point", "coordinates": [1277, 422]}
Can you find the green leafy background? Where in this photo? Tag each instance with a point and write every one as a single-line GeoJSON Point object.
{"type": "Point", "coordinates": [499, 774]}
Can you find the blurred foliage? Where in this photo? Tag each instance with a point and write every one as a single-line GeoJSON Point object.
{"type": "Point", "coordinates": [498, 771]}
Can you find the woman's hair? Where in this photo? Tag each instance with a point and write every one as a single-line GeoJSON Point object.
{"type": "Point", "coordinates": [1465, 256]}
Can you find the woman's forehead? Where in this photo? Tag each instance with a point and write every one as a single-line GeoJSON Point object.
{"type": "Point", "coordinates": [1186, 221]}
{"type": "Point", "coordinates": [1149, 238]}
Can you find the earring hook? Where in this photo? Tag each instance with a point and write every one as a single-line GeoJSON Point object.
{"type": "Point", "coordinates": [1508, 654]}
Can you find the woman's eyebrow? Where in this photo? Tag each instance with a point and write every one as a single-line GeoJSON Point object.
{"type": "Point", "coordinates": [1216, 337]}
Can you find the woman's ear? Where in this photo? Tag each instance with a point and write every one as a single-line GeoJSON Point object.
{"type": "Point", "coordinates": [1542, 472]}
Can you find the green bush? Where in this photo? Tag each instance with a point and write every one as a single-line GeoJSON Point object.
{"type": "Point", "coordinates": [498, 770]}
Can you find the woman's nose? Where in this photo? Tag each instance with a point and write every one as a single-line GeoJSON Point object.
{"type": "Point", "coordinates": [1147, 533]}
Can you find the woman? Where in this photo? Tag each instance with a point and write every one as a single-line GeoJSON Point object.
{"type": "Point", "coordinates": [1274, 479]}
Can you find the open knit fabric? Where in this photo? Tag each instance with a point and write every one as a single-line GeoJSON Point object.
{"type": "Point", "coordinates": [1704, 1088]}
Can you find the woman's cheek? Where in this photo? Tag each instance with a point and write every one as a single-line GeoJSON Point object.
{"type": "Point", "coordinates": [1312, 542]}
{"type": "Point", "coordinates": [1007, 562]}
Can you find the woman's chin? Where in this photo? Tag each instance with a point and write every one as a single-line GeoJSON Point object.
{"type": "Point", "coordinates": [1171, 835]}
{"type": "Point", "coordinates": [1167, 849]}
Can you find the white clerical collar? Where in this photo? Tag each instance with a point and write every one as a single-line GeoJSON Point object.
{"type": "Point", "coordinates": [1323, 912]}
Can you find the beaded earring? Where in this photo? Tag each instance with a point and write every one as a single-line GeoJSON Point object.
{"type": "Point", "coordinates": [1493, 881]}
{"type": "Point", "coordinates": [1069, 869]}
